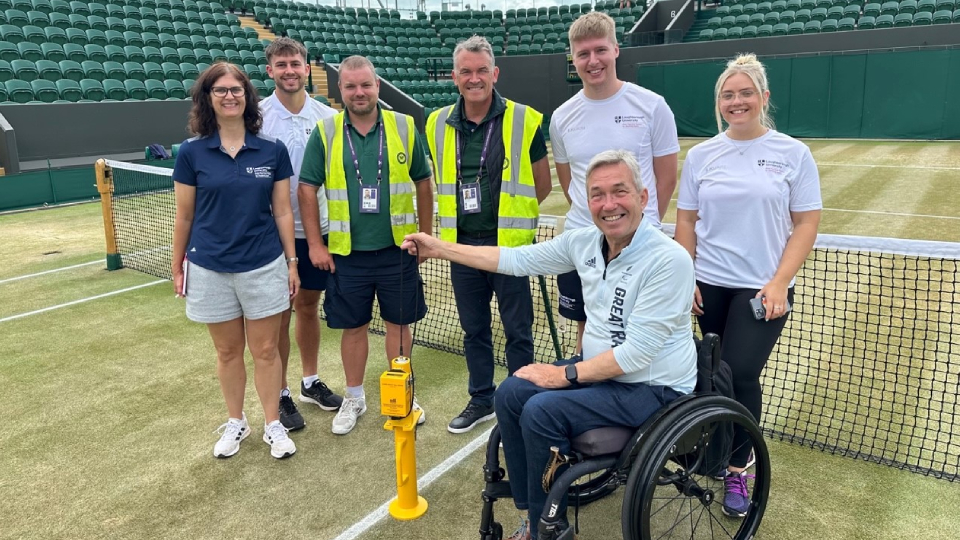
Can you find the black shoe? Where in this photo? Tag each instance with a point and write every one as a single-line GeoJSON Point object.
{"type": "Point", "coordinates": [290, 417]}
{"type": "Point", "coordinates": [470, 417]}
{"type": "Point", "coordinates": [320, 395]}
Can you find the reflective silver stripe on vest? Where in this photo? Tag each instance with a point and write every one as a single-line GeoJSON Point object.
{"type": "Point", "coordinates": [402, 130]}
{"type": "Point", "coordinates": [330, 130]}
{"type": "Point", "coordinates": [402, 219]}
{"type": "Point", "coordinates": [447, 189]}
{"type": "Point", "coordinates": [448, 222]}
{"type": "Point", "coordinates": [439, 136]}
{"type": "Point", "coordinates": [340, 226]}
{"type": "Point", "coordinates": [337, 195]}
{"type": "Point", "coordinates": [512, 186]}
{"type": "Point", "coordinates": [401, 189]}
{"type": "Point", "coordinates": [517, 223]}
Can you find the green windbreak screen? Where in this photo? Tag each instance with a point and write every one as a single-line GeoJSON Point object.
{"type": "Point", "coordinates": [883, 95]}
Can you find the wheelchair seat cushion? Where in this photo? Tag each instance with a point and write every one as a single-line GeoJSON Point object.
{"type": "Point", "coordinates": [600, 441]}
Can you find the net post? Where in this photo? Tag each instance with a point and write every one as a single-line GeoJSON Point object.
{"type": "Point", "coordinates": [550, 322]}
{"type": "Point", "coordinates": [105, 187]}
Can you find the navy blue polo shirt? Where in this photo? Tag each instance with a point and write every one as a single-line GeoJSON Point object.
{"type": "Point", "coordinates": [233, 226]}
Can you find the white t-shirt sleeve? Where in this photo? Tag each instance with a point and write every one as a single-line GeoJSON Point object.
{"type": "Point", "coordinates": [805, 189]}
{"type": "Point", "coordinates": [556, 139]}
{"type": "Point", "coordinates": [664, 135]}
{"type": "Point", "coordinates": [688, 197]}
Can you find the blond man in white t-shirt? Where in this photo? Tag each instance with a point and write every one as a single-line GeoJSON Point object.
{"type": "Point", "coordinates": [608, 114]}
{"type": "Point", "coordinates": [289, 114]}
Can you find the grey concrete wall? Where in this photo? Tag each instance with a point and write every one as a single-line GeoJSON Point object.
{"type": "Point", "coordinates": [538, 81]}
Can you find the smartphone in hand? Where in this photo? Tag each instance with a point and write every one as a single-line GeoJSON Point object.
{"type": "Point", "coordinates": [760, 312]}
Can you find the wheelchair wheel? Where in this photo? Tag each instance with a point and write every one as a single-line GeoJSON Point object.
{"type": "Point", "coordinates": [671, 494]}
{"type": "Point", "coordinates": [593, 487]}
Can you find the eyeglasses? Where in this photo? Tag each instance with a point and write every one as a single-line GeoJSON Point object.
{"type": "Point", "coordinates": [221, 91]}
{"type": "Point", "coordinates": [744, 95]}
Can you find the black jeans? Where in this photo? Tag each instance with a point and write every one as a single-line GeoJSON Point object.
{"type": "Point", "coordinates": [745, 344]}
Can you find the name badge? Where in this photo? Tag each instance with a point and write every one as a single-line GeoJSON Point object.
{"type": "Point", "coordinates": [370, 200]}
{"type": "Point", "coordinates": [470, 197]}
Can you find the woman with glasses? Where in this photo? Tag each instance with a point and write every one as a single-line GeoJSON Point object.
{"type": "Point", "coordinates": [233, 246]}
{"type": "Point", "coordinates": [747, 212]}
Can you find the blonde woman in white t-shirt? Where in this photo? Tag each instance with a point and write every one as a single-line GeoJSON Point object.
{"type": "Point", "coordinates": [747, 212]}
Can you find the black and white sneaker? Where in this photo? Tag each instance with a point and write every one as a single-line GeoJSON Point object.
{"type": "Point", "coordinates": [290, 417]}
{"type": "Point", "coordinates": [470, 417]}
{"type": "Point", "coordinates": [320, 395]}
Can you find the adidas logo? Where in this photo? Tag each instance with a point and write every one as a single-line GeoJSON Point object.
{"type": "Point", "coordinates": [592, 262]}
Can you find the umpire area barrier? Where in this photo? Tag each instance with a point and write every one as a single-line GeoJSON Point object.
{"type": "Point", "coordinates": [866, 366]}
{"type": "Point", "coordinates": [870, 95]}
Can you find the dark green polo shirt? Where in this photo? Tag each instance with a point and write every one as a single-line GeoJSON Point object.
{"type": "Point", "coordinates": [472, 136]}
{"type": "Point", "coordinates": [368, 232]}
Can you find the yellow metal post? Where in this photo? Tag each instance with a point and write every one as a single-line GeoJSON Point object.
{"type": "Point", "coordinates": [408, 504]}
{"type": "Point", "coordinates": [105, 187]}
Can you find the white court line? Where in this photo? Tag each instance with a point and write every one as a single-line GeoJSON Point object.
{"type": "Point", "coordinates": [82, 300]}
{"type": "Point", "coordinates": [374, 517]}
{"type": "Point", "coordinates": [890, 213]}
{"type": "Point", "coordinates": [865, 165]}
{"type": "Point", "coordinates": [2, 281]}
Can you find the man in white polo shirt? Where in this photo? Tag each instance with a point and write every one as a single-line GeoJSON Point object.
{"type": "Point", "coordinates": [290, 115]}
{"type": "Point", "coordinates": [608, 114]}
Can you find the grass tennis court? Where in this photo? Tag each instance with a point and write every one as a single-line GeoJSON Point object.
{"type": "Point", "coordinates": [109, 404]}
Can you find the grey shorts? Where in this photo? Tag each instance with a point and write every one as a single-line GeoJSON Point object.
{"type": "Point", "coordinates": [215, 297]}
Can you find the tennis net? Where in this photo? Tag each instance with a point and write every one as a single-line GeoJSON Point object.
{"type": "Point", "coordinates": [866, 366]}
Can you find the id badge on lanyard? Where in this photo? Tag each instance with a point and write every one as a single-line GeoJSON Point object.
{"type": "Point", "coordinates": [470, 192]}
{"type": "Point", "coordinates": [369, 194]}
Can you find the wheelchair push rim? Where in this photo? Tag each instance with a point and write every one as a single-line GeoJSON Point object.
{"type": "Point", "coordinates": [667, 496]}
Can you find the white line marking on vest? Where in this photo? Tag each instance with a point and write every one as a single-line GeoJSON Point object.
{"type": "Point", "coordinates": [2, 281]}
{"type": "Point", "coordinates": [82, 300]}
{"type": "Point", "coordinates": [374, 517]}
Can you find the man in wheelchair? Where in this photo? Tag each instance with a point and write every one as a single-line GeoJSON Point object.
{"type": "Point", "coordinates": [637, 347]}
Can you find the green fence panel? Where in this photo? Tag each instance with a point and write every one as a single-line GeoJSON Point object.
{"type": "Point", "coordinates": [779, 75]}
{"type": "Point", "coordinates": [846, 96]}
{"type": "Point", "coordinates": [809, 96]}
{"type": "Point", "coordinates": [903, 95]}
{"type": "Point", "coordinates": [51, 186]}
{"type": "Point", "coordinates": [951, 112]}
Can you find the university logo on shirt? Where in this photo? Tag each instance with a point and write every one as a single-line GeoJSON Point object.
{"type": "Point", "coordinates": [761, 162]}
{"type": "Point", "coordinates": [618, 119]}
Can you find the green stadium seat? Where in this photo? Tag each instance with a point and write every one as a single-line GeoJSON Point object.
{"type": "Point", "coordinates": [92, 89]}
{"type": "Point", "coordinates": [155, 89]}
{"type": "Point", "coordinates": [69, 90]}
{"type": "Point", "coordinates": [787, 17]}
{"type": "Point", "coordinates": [115, 89]}
{"type": "Point", "coordinates": [172, 71]}
{"type": "Point", "coordinates": [756, 19]}
{"type": "Point", "coordinates": [929, 6]}
{"type": "Point", "coordinates": [19, 91]}
{"type": "Point", "coordinates": [115, 38]}
{"type": "Point", "coordinates": [942, 17]}
{"type": "Point", "coordinates": [11, 33]}
{"type": "Point", "coordinates": [890, 8]}
{"type": "Point", "coordinates": [908, 6]}
{"type": "Point", "coordinates": [174, 89]}
{"type": "Point", "coordinates": [97, 37]}
{"type": "Point", "coordinates": [871, 10]}
{"type": "Point", "coordinates": [25, 70]}
{"type": "Point", "coordinates": [6, 72]}
{"type": "Point", "coordinates": [80, 8]}
{"type": "Point", "coordinates": [49, 70]}
{"type": "Point", "coordinates": [38, 18]}
{"type": "Point", "coordinates": [9, 51]}
{"type": "Point", "coordinates": [867, 22]}
{"type": "Point", "coordinates": [152, 54]}
{"type": "Point", "coordinates": [135, 71]}
{"type": "Point", "coordinates": [811, 27]}
{"type": "Point", "coordinates": [115, 53]}
{"type": "Point", "coordinates": [835, 13]}
{"type": "Point", "coordinates": [114, 70]}
{"type": "Point", "coordinates": [16, 17]}
{"type": "Point", "coordinates": [34, 34]}
{"type": "Point", "coordinates": [735, 33]}
{"type": "Point", "coordinates": [750, 31]}
{"type": "Point", "coordinates": [948, 5]}
{"type": "Point", "coordinates": [741, 21]}
{"type": "Point", "coordinates": [29, 51]}
{"type": "Point", "coordinates": [186, 55]}
{"type": "Point", "coordinates": [846, 24]}
{"type": "Point", "coordinates": [903, 19]}
{"type": "Point", "coordinates": [96, 52]}
{"type": "Point", "coordinates": [803, 16]}
{"type": "Point", "coordinates": [94, 70]}
{"type": "Point", "coordinates": [134, 54]}
{"type": "Point", "coordinates": [956, 15]}
{"type": "Point", "coordinates": [187, 85]}
{"type": "Point", "coordinates": [261, 88]}
{"type": "Point", "coordinates": [765, 30]}
{"type": "Point", "coordinates": [720, 34]}
{"type": "Point", "coordinates": [818, 14]}
{"type": "Point", "coordinates": [829, 25]}
{"type": "Point", "coordinates": [44, 90]}
{"type": "Point", "coordinates": [808, 4]}
{"type": "Point", "coordinates": [885, 21]}
{"type": "Point", "coordinates": [780, 29]}
{"type": "Point", "coordinates": [771, 18]}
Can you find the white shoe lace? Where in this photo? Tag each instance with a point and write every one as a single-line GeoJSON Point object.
{"type": "Point", "coordinates": [276, 432]}
{"type": "Point", "coordinates": [229, 430]}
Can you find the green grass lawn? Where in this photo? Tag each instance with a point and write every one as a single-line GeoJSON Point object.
{"type": "Point", "coordinates": [110, 405]}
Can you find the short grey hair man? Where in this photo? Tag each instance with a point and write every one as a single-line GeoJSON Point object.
{"type": "Point", "coordinates": [474, 44]}
{"type": "Point", "coordinates": [614, 157]}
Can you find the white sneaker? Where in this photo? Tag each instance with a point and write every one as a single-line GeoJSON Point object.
{"type": "Point", "coordinates": [346, 418]}
{"type": "Point", "coordinates": [423, 414]}
{"type": "Point", "coordinates": [232, 432]}
{"type": "Point", "coordinates": [281, 445]}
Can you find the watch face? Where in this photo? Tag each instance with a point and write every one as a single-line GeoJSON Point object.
{"type": "Point", "coordinates": [571, 372]}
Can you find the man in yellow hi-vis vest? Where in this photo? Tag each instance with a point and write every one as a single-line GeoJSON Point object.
{"type": "Point", "coordinates": [490, 159]}
{"type": "Point", "coordinates": [370, 162]}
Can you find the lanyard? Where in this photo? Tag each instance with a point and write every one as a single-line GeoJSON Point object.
{"type": "Point", "coordinates": [483, 154]}
{"type": "Point", "coordinates": [353, 153]}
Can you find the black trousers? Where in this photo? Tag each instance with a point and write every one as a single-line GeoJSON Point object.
{"type": "Point", "coordinates": [745, 344]}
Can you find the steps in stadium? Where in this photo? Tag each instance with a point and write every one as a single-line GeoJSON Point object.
{"type": "Point", "coordinates": [700, 23]}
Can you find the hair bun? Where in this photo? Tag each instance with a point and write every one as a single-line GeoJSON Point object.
{"type": "Point", "coordinates": [745, 60]}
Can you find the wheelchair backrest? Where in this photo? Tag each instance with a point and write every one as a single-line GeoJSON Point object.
{"type": "Point", "coordinates": [708, 362]}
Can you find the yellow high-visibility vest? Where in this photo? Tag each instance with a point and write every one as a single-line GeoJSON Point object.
{"type": "Point", "coordinates": [399, 132]}
{"type": "Point", "coordinates": [519, 209]}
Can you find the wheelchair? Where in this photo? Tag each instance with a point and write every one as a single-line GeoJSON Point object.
{"type": "Point", "coordinates": [671, 468]}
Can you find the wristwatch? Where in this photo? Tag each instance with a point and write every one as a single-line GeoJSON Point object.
{"type": "Point", "coordinates": [293, 259]}
{"type": "Point", "coordinates": [571, 371]}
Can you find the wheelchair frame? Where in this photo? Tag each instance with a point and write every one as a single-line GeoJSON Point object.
{"type": "Point", "coordinates": [665, 459]}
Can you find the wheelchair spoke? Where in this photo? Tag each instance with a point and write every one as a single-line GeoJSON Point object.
{"type": "Point", "coordinates": [713, 518]}
{"type": "Point", "coordinates": [680, 519]}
